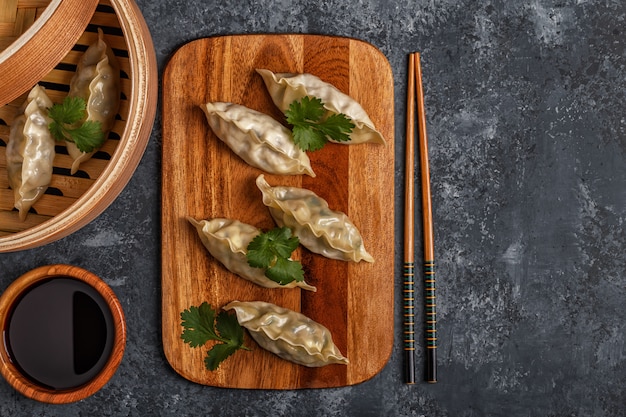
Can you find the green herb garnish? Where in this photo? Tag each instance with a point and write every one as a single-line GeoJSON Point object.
{"type": "Point", "coordinates": [311, 131]}
{"type": "Point", "coordinates": [201, 324]}
{"type": "Point", "coordinates": [271, 251]}
{"type": "Point", "coordinates": [67, 124]}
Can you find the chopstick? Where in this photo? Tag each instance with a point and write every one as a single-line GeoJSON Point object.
{"type": "Point", "coordinates": [429, 247]}
{"type": "Point", "coordinates": [409, 231]}
{"type": "Point", "coordinates": [415, 90]}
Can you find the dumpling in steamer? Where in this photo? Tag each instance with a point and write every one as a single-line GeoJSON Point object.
{"type": "Point", "coordinates": [285, 88]}
{"type": "Point", "coordinates": [287, 333]}
{"type": "Point", "coordinates": [257, 138]}
{"type": "Point", "coordinates": [321, 230]}
{"type": "Point", "coordinates": [227, 240]}
{"type": "Point", "coordinates": [97, 81]}
{"type": "Point", "coordinates": [30, 151]}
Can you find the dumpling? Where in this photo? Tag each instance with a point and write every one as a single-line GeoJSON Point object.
{"type": "Point", "coordinates": [30, 151]}
{"type": "Point", "coordinates": [285, 88]}
{"type": "Point", "coordinates": [287, 333]}
{"type": "Point", "coordinates": [97, 81]}
{"type": "Point", "coordinates": [227, 240]}
{"type": "Point", "coordinates": [321, 230]}
{"type": "Point", "coordinates": [257, 138]}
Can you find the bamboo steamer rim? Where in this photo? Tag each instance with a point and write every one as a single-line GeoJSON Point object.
{"type": "Point", "coordinates": [42, 45]}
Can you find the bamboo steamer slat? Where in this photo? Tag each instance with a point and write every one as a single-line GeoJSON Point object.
{"type": "Point", "coordinates": [72, 201]}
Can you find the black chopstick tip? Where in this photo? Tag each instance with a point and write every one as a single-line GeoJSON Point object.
{"type": "Point", "coordinates": [409, 377]}
{"type": "Point", "coordinates": [430, 372]}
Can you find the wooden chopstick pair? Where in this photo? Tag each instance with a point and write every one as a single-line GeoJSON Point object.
{"type": "Point", "coordinates": [416, 93]}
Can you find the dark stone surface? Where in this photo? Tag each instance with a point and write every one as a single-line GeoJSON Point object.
{"type": "Point", "coordinates": [525, 105]}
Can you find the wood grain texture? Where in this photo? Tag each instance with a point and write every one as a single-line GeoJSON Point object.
{"type": "Point", "coordinates": [38, 37]}
{"type": "Point", "coordinates": [72, 201]}
{"type": "Point", "coordinates": [203, 178]}
{"type": "Point", "coordinates": [41, 393]}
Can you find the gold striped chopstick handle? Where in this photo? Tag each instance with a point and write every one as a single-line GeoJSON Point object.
{"type": "Point", "coordinates": [430, 316]}
{"type": "Point", "coordinates": [409, 320]}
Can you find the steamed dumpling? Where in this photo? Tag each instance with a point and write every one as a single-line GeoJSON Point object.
{"type": "Point", "coordinates": [257, 138]}
{"type": "Point", "coordinates": [287, 333]}
{"type": "Point", "coordinates": [227, 240]}
{"type": "Point", "coordinates": [30, 151]}
{"type": "Point", "coordinates": [321, 230]}
{"type": "Point", "coordinates": [285, 88]}
{"type": "Point", "coordinates": [97, 81]}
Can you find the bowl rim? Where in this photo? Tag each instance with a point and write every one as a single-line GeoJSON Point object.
{"type": "Point", "coordinates": [13, 293]}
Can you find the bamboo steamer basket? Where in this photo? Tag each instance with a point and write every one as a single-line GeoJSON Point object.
{"type": "Point", "coordinates": [72, 201]}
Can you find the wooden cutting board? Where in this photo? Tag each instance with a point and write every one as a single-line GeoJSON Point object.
{"type": "Point", "coordinates": [203, 178]}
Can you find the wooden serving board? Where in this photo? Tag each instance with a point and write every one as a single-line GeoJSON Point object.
{"type": "Point", "coordinates": [203, 178]}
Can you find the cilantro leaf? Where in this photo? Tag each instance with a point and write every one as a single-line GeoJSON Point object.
{"type": "Point", "coordinates": [198, 324]}
{"type": "Point", "coordinates": [259, 252]}
{"type": "Point", "coordinates": [88, 136]}
{"type": "Point", "coordinates": [71, 111]}
{"type": "Point", "coordinates": [284, 243]}
{"type": "Point", "coordinates": [311, 130]}
{"type": "Point", "coordinates": [307, 109]}
{"type": "Point", "coordinates": [308, 139]}
{"type": "Point", "coordinates": [66, 124]}
{"type": "Point", "coordinates": [285, 271]}
{"type": "Point", "coordinates": [56, 130]}
{"type": "Point", "coordinates": [201, 324]}
{"type": "Point", "coordinates": [338, 127]}
{"type": "Point", "coordinates": [271, 251]}
{"type": "Point", "coordinates": [217, 354]}
{"type": "Point", "coordinates": [229, 328]}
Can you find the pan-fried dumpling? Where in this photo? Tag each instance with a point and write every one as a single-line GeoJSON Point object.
{"type": "Point", "coordinates": [30, 151]}
{"type": "Point", "coordinates": [285, 88]}
{"type": "Point", "coordinates": [227, 240]}
{"type": "Point", "coordinates": [97, 81]}
{"type": "Point", "coordinates": [321, 230]}
{"type": "Point", "coordinates": [287, 333]}
{"type": "Point", "coordinates": [257, 138]}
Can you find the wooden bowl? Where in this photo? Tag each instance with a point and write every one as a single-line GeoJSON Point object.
{"type": "Point", "coordinates": [72, 201]}
{"type": "Point", "coordinates": [27, 386]}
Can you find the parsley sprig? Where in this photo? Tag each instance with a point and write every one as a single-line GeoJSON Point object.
{"type": "Point", "coordinates": [202, 324]}
{"type": "Point", "coordinates": [271, 251]}
{"type": "Point", "coordinates": [311, 130]}
{"type": "Point", "coordinates": [67, 124]}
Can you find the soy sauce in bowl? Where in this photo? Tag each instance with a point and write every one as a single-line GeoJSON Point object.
{"type": "Point", "coordinates": [60, 333]}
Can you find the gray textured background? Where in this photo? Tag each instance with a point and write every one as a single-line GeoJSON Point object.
{"type": "Point", "coordinates": [525, 105]}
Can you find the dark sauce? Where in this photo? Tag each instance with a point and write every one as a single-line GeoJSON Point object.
{"type": "Point", "coordinates": [60, 333]}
